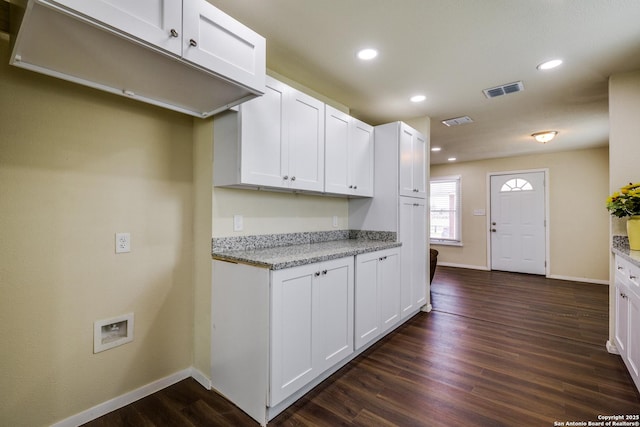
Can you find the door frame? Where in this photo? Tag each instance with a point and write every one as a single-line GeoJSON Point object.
{"type": "Point", "coordinates": [547, 261]}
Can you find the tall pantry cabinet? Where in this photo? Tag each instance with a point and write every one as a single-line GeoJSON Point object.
{"type": "Point", "coordinates": [400, 205]}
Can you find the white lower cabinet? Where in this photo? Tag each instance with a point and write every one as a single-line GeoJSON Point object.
{"type": "Point", "coordinates": [275, 334]}
{"type": "Point", "coordinates": [627, 321]}
{"type": "Point", "coordinates": [413, 235]}
{"type": "Point", "coordinates": [377, 294]}
{"type": "Point", "coordinates": [311, 323]}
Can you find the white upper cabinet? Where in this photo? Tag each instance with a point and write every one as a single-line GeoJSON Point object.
{"type": "Point", "coordinates": [348, 155]}
{"type": "Point", "coordinates": [412, 163]}
{"type": "Point", "coordinates": [262, 139]}
{"type": "Point", "coordinates": [216, 41]}
{"type": "Point", "coordinates": [305, 127]}
{"type": "Point", "coordinates": [275, 141]}
{"type": "Point", "coordinates": [158, 22]}
{"type": "Point", "coordinates": [185, 55]}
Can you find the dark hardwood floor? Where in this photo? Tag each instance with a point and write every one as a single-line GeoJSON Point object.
{"type": "Point", "coordinates": [498, 349]}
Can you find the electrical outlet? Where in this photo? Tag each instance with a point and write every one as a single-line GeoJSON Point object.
{"type": "Point", "coordinates": [123, 243]}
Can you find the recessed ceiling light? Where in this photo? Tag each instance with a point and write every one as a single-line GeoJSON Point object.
{"type": "Point", "coordinates": [367, 54]}
{"type": "Point", "coordinates": [452, 159]}
{"type": "Point", "coordinates": [549, 64]}
{"type": "Point", "coordinates": [418, 98]}
{"type": "Point", "coordinates": [436, 148]}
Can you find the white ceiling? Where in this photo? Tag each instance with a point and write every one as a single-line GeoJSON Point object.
{"type": "Point", "coordinates": [450, 50]}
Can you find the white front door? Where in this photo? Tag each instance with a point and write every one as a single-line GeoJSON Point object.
{"type": "Point", "coordinates": [518, 222]}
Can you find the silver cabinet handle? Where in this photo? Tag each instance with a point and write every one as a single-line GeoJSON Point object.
{"type": "Point", "coordinates": [620, 267]}
{"type": "Point", "coordinates": [493, 230]}
{"type": "Point", "coordinates": [317, 273]}
{"type": "Point", "coordinates": [173, 33]}
{"type": "Point", "coordinates": [293, 178]}
{"type": "Point", "coordinates": [286, 177]}
{"type": "Point", "coordinates": [632, 277]}
{"type": "Point", "coordinates": [324, 272]}
{"type": "Point", "coordinates": [355, 187]}
{"type": "Point", "coordinates": [193, 43]}
{"type": "Point", "coordinates": [351, 186]}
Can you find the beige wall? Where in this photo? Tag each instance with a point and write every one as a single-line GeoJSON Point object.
{"type": "Point", "coordinates": [578, 220]}
{"type": "Point", "coordinates": [76, 166]}
{"type": "Point", "coordinates": [624, 152]}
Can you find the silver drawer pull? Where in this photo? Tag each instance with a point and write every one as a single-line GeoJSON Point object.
{"type": "Point", "coordinates": [193, 43]}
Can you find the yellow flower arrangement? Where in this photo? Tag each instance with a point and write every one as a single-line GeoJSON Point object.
{"type": "Point", "coordinates": [625, 202]}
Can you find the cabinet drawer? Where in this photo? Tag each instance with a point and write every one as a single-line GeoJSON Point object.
{"type": "Point", "coordinates": [628, 273]}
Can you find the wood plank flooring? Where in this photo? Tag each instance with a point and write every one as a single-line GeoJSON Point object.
{"type": "Point", "coordinates": [499, 349]}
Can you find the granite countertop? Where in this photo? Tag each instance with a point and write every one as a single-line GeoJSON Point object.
{"type": "Point", "coordinates": [620, 246]}
{"type": "Point", "coordinates": [291, 255]}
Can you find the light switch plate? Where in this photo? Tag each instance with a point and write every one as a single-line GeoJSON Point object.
{"type": "Point", "coordinates": [237, 223]}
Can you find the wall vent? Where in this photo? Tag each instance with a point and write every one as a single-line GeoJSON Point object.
{"type": "Point", "coordinates": [457, 121]}
{"type": "Point", "coordinates": [503, 89]}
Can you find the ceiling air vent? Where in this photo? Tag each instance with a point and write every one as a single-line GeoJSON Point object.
{"type": "Point", "coordinates": [457, 121]}
{"type": "Point", "coordinates": [503, 89]}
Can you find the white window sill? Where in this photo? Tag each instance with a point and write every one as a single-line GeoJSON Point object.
{"type": "Point", "coordinates": [445, 243]}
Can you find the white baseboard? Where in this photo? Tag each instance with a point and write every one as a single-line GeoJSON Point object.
{"type": "Point", "coordinates": [611, 348]}
{"type": "Point", "coordinates": [578, 279]}
{"type": "Point", "coordinates": [551, 276]}
{"type": "Point", "coordinates": [204, 381]}
{"type": "Point", "coordinates": [132, 396]}
{"type": "Point", "coordinates": [472, 267]}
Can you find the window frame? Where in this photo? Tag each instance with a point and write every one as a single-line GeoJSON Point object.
{"type": "Point", "coordinates": [457, 239]}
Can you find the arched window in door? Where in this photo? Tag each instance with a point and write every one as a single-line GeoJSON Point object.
{"type": "Point", "coordinates": [516, 184]}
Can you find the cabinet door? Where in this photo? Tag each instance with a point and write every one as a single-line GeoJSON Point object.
{"type": "Point", "coordinates": [151, 21]}
{"type": "Point", "coordinates": [336, 176]}
{"type": "Point", "coordinates": [306, 142]}
{"type": "Point", "coordinates": [419, 164]}
{"type": "Point", "coordinates": [389, 289]}
{"type": "Point", "coordinates": [622, 319]}
{"type": "Point", "coordinates": [367, 299]}
{"type": "Point", "coordinates": [419, 253]}
{"type": "Point", "coordinates": [264, 146]}
{"type": "Point", "coordinates": [333, 312]}
{"type": "Point", "coordinates": [413, 237]}
{"type": "Point", "coordinates": [412, 171]}
{"type": "Point", "coordinates": [292, 361]}
{"type": "Point", "coordinates": [361, 158]}
{"type": "Point", "coordinates": [633, 337]}
{"type": "Point", "coordinates": [217, 42]}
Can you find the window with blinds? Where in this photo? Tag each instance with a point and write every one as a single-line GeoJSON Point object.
{"type": "Point", "coordinates": [445, 204]}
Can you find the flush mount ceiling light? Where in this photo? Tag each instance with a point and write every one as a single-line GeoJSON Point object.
{"type": "Point", "coordinates": [417, 98]}
{"type": "Point", "coordinates": [545, 136]}
{"type": "Point", "coordinates": [549, 64]}
{"type": "Point", "coordinates": [452, 159]}
{"type": "Point", "coordinates": [367, 54]}
{"type": "Point", "coordinates": [435, 149]}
